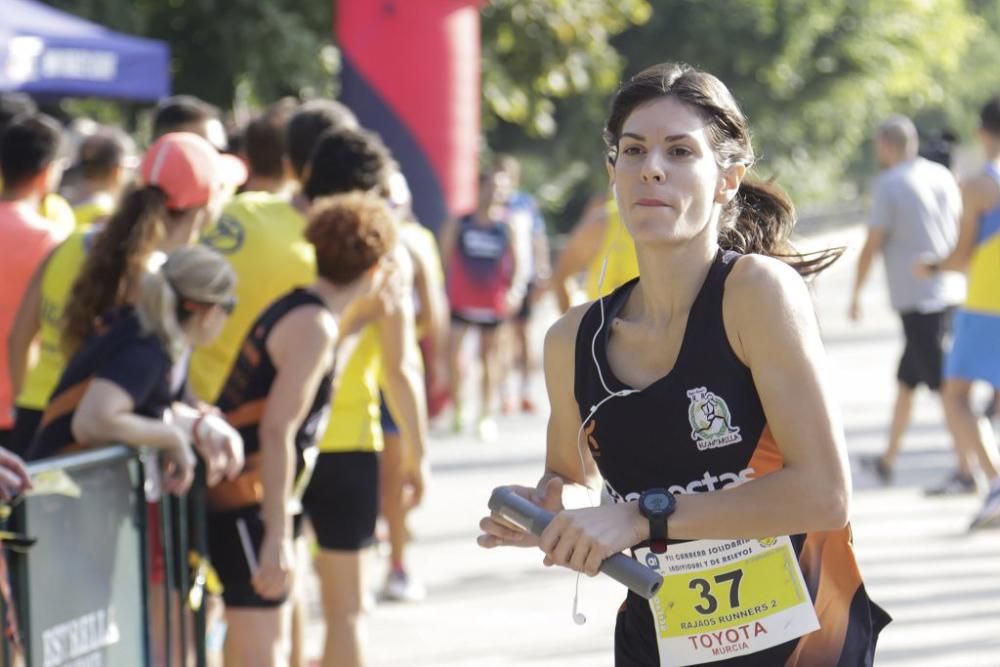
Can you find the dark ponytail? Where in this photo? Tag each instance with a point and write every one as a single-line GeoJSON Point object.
{"type": "Point", "coordinates": [115, 263]}
{"type": "Point", "coordinates": [761, 216]}
{"type": "Point", "coordinates": [760, 219]}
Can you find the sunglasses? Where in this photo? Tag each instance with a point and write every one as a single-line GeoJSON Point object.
{"type": "Point", "coordinates": [228, 306]}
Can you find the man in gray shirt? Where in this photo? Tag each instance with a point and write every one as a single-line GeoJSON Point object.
{"type": "Point", "coordinates": [916, 205]}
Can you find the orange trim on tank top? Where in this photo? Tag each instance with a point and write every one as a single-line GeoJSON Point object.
{"type": "Point", "coordinates": [247, 414]}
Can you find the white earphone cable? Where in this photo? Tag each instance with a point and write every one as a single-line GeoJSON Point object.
{"type": "Point", "coordinates": [578, 617]}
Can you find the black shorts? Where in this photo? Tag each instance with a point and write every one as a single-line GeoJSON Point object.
{"type": "Point", "coordinates": [342, 500]}
{"type": "Point", "coordinates": [923, 354]}
{"type": "Point", "coordinates": [225, 548]}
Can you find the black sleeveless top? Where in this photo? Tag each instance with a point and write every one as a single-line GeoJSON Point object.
{"type": "Point", "coordinates": [701, 428]}
{"type": "Point", "coordinates": [244, 396]}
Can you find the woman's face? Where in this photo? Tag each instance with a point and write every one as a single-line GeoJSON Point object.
{"type": "Point", "coordinates": [666, 180]}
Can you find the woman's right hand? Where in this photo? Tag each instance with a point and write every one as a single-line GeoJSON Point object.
{"type": "Point", "coordinates": [14, 477]}
{"type": "Point", "coordinates": [179, 461]}
{"type": "Point", "coordinates": [498, 533]}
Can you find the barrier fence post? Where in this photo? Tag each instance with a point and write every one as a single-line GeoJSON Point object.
{"type": "Point", "coordinates": [167, 539]}
{"type": "Point", "coordinates": [182, 576]}
{"type": "Point", "coordinates": [142, 516]}
{"type": "Point", "coordinates": [199, 535]}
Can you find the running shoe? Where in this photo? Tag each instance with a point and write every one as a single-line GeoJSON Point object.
{"type": "Point", "coordinates": [956, 484]}
{"type": "Point", "coordinates": [989, 513]}
{"type": "Point", "coordinates": [876, 465]}
{"type": "Point", "coordinates": [527, 406]}
{"type": "Point", "coordinates": [401, 587]}
{"type": "Point", "coordinates": [487, 429]}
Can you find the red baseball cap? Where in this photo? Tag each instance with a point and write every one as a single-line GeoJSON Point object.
{"type": "Point", "coordinates": [189, 169]}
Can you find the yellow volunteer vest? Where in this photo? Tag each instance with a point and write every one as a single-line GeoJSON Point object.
{"type": "Point", "coordinates": [95, 210]}
{"type": "Point", "coordinates": [618, 247]}
{"type": "Point", "coordinates": [63, 267]}
{"type": "Point", "coordinates": [354, 421]}
{"type": "Point", "coordinates": [57, 210]}
{"type": "Point", "coordinates": [262, 237]}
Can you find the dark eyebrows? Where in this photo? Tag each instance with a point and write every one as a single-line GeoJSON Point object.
{"type": "Point", "coordinates": [670, 139]}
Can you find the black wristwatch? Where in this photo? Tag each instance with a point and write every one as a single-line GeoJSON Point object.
{"type": "Point", "coordinates": [657, 505]}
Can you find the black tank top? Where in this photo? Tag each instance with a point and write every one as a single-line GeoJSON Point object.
{"type": "Point", "coordinates": [244, 396]}
{"type": "Point", "coordinates": [701, 428]}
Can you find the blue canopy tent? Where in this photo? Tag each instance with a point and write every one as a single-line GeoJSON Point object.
{"type": "Point", "coordinates": [46, 52]}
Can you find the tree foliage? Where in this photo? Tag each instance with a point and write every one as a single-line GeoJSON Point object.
{"type": "Point", "coordinates": [227, 51]}
{"type": "Point", "coordinates": [814, 76]}
{"type": "Point", "coordinates": [541, 51]}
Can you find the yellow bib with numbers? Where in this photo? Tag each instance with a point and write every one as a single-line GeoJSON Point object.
{"type": "Point", "coordinates": [727, 598]}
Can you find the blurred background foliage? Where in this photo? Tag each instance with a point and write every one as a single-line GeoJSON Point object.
{"type": "Point", "coordinates": [814, 76]}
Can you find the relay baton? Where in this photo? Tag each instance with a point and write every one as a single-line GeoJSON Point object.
{"type": "Point", "coordinates": [527, 516]}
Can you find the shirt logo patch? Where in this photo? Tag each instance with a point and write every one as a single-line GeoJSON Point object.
{"type": "Point", "coordinates": [711, 421]}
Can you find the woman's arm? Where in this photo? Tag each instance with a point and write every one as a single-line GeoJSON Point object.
{"type": "Point", "coordinates": [403, 381]}
{"type": "Point", "coordinates": [301, 347]}
{"type": "Point", "coordinates": [773, 329]}
{"type": "Point", "coordinates": [14, 477]}
{"type": "Point", "coordinates": [570, 475]}
{"type": "Point", "coordinates": [105, 415]}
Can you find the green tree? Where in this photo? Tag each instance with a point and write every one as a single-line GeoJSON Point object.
{"type": "Point", "coordinates": [813, 76]}
{"type": "Point", "coordinates": [536, 52]}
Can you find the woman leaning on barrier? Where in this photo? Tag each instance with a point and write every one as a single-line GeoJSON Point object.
{"type": "Point", "coordinates": [182, 182]}
{"type": "Point", "coordinates": [121, 384]}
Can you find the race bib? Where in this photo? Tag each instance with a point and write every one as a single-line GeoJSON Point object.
{"type": "Point", "coordinates": [727, 598]}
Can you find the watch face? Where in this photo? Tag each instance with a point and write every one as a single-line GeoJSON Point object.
{"type": "Point", "coordinates": [658, 502]}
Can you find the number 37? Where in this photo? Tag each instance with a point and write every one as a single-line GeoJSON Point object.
{"type": "Point", "coordinates": [711, 604]}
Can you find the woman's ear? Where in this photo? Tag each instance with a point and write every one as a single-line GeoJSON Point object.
{"type": "Point", "coordinates": [729, 182]}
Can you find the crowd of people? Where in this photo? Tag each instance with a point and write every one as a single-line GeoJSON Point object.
{"type": "Point", "coordinates": [262, 310]}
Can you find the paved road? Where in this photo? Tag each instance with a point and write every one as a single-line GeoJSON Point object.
{"type": "Point", "coordinates": [503, 608]}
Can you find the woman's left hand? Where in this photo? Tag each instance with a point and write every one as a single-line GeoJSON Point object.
{"type": "Point", "coordinates": [582, 539]}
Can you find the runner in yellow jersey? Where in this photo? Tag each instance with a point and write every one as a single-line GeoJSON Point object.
{"type": "Point", "coordinates": [599, 237]}
{"type": "Point", "coordinates": [342, 498]}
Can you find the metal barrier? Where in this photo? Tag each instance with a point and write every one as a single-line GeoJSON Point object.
{"type": "Point", "coordinates": [81, 591]}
